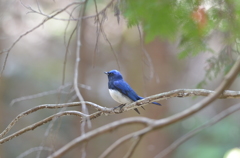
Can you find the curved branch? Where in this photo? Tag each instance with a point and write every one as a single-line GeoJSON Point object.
{"type": "Point", "coordinates": [133, 147]}
{"type": "Point", "coordinates": [35, 125]}
{"type": "Point", "coordinates": [153, 124]}
{"type": "Point", "coordinates": [100, 130]}
{"type": "Point", "coordinates": [190, 134]}
{"type": "Point", "coordinates": [125, 138]}
{"type": "Point", "coordinates": [107, 111]}
{"type": "Point", "coordinates": [227, 94]}
{"type": "Point", "coordinates": [48, 106]}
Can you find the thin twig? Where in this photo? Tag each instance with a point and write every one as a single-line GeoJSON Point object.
{"type": "Point", "coordinates": [29, 31]}
{"type": "Point", "coordinates": [31, 150]}
{"type": "Point", "coordinates": [98, 22]}
{"type": "Point", "coordinates": [110, 44]}
{"type": "Point", "coordinates": [76, 69]}
{"type": "Point", "coordinates": [100, 12]}
{"type": "Point", "coordinates": [42, 94]}
{"type": "Point", "coordinates": [68, 45]}
{"type": "Point", "coordinates": [126, 138]}
{"type": "Point", "coordinates": [46, 120]}
{"type": "Point", "coordinates": [162, 96]}
{"type": "Point", "coordinates": [72, 19]}
{"type": "Point", "coordinates": [48, 106]}
{"type": "Point", "coordinates": [149, 60]}
{"type": "Point", "coordinates": [133, 147]}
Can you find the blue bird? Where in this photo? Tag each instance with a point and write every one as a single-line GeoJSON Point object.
{"type": "Point", "coordinates": [120, 90]}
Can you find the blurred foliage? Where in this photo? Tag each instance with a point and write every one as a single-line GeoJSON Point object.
{"type": "Point", "coordinates": [192, 22]}
{"type": "Point", "coordinates": [211, 142]}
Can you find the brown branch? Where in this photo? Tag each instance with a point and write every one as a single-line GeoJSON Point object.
{"type": "Point", "coordinates": [132, 147]}
{"type": "Point", "coordinates": [48, 106]}
{"type": "Point", "coordinates": [146, 54]}
{"type": "Point", "coordinates": [179, 93]}
{"type": "Point", "coordinates": [68, 45]}
{"type": "Point", "coordinates": [125, 138]}
{"type": "Point", "coordinates": [100, 12]}
{"type": "Point", "coordinates": [190, 134]}
{"type": "Point", "coordinates": [76, 69]}
{"type": "Point", "coordinates": [34, 149]}
{"type": "Point", "coordinates": [72, 18]}
{"type": "Point", "coordinates": [153, 124]}
{"type": "Point", "coordinates": [35, 125]}
{"type": "Point", "coordinates": [108, 111]}
{"type": "Point", "coordinates": [101, 130]}
{"type": "Point", "coordinates": [42, 94]}
{"type": "Point", "coordinates": [98, 22]}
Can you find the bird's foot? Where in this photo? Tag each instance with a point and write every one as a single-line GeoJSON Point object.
{"type": "Point", "coordinates": [120, 107]}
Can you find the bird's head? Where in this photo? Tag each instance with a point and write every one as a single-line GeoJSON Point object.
{"type": "Point", "coordinates": [114, 75]}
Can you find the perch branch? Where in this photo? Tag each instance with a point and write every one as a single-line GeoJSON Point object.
{"type": "Point", "coordinates": [153, 124]}
{"type": "Point", "coordinates": [104, 110]}
{"type": "Point", "coordinates": [48, 106]}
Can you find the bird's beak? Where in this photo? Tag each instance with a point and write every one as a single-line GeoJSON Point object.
{"type": "Point", "coordinates": [106, 73]}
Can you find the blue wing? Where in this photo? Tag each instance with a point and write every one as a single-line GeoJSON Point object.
{"type": "Point", "coordinates": [125, 89]}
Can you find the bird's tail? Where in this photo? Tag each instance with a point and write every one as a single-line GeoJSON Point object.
{"type": "Point", "coordinates": [156, 103]}
{"type": "Point", "coordinates": [151, 102]}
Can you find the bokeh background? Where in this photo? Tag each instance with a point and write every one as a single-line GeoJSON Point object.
{"type": "Point", "coordinates": [35, 65]}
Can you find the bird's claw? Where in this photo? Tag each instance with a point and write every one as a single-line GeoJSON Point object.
{"type": "Point", "coordinates": [120, 107]}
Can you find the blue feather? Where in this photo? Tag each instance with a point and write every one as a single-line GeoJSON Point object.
{"type": "Point", "coordinates": [120, 90]}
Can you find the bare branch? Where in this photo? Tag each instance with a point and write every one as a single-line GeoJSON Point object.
{"type": "Point", "coordinates": [72, 18]}
{"type": "Point", "coordinates": [35, 125]}
{"type": "Point", "coordinates": [68, 44]}
{"type": "Point", "coordinates": [145, 53]}
{"type": "Point", "coordinates": [136, 141]}
{"type": "Point", "coordinates": [100, 130]}
{"type": "Point", "coordinates": [125, 138]}
{"type": "Point", "coordinates": [110, 44]}
{"type": "Point", "coordinates": [42, 94]}
{"type": "Point", "coordinates": [98, 22]}
{"type": "Point", "coordinates": [190, 134]}
{"type": "Point", "coordinates": [48, 106]}
{"type": "Point", "coordinates": [31, 30]}
{"type": "Point", "coordinates": [39, 148]}
{"type": "Point", "coordinates": [76, 69]}
{"type": "Point", "coordinates": [100, 12]}
{"type": "Point", "coordinates": [107, 111]}
{"type": "Point", "coordinates": [151, 124]}
{"type": "Point", "coordinates": [178, 93]}
{"type": "Point", "coordinates": [144, 102]}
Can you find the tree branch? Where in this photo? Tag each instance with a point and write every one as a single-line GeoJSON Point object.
{"type": "Point", "coordinates": [35, 125]}
{"type": "Point", "coordinates": [107, 111]}
{"type": "Point", "coordinates": [45, 106]}
{"type": "Point", "coordinates": [178, 93]}
{"type": "Point", "coordinates": [152, 124]}
{"type": "Point", "coordinates": [190, 134]}
{"type": "Point", "coordinates": [31, 30]}
{"type": "Point", "coordinates": [106, 128]}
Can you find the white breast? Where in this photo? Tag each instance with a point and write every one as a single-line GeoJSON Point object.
{"type": "Point", "coordinates": [118, 97]}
